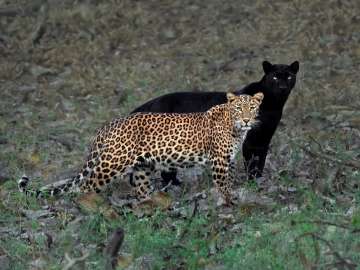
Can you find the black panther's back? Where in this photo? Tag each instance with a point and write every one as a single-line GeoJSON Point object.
{"type": "Point", "coordinates": [183, 102]}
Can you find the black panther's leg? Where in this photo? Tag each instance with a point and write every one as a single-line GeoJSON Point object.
{"type": "Point", "coordinates": [254, 160]}
{"type": "Point", "coordinates": [170, 176]}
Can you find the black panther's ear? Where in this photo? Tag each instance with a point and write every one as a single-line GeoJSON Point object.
{"type": "Point", "coordinates": [294, 67]}
{"type": "Point", "coordinates": [267, 67]}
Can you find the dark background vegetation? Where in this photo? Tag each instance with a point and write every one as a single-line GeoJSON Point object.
{"type": "Point", "coordinates": [67, 67]}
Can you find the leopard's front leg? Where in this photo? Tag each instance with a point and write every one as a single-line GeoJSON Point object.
{"type": "Point", "coordinates": [222, 177]}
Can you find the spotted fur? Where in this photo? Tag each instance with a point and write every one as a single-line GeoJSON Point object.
{"type": "Point", "coordinates": [144, 143]}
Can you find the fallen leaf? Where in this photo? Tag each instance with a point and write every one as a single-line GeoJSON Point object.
{"type": "Point", "coordinates": [161, 199]}
{"type": "Point", "coordinates": [124, 260]}
{"type": "Point", "coordinates": [93, 202]}
{"type": "Point", "coordinates": [90, 201]}
{"type": "Point", "coordinates": [109, 213]}
{"type": "Point", "coordinates": [34, 158]}
{"type": "Point", "coordinates": [144, 208]}
{"type": "Point", "coordinates": [147, 207]}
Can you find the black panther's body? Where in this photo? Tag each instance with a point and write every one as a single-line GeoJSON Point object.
{"type": "Point", "coordinates": [276, 84]}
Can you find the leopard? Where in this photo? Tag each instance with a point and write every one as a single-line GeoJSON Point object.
{"type": "Point", "coordinates": [143, 143]}
{"type": "Point", "coordinates": [277, 83]}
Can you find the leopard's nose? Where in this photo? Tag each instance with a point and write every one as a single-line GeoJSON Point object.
{"type": "Point", "coordinates": [246, 120]}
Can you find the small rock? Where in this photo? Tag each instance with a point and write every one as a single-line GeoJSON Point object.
{"type": "Point", "coordinates": [193, 7]}
{"type": "Point", "coordinates": [39, 263]}
{"type": "Point", "coordinates": [350, 211]}
{"type": "Point", "coordinates": [4, 262]}
{"type": "Point", "coordinates": [143, 262]}
{"type": "Point", "coordinates": [291, 189]}
{"type": "Point", "coordinates": [291, 208]}
{"type": "Point", "coordinates": [31, 214]}
{"type": "Point", "coordinates": [37, 71]}
{"type": "Point", "coordinates": [27, 88]}
{"type": "Point", "coordinates": [169, 33]}
{"type": "Point", "coordinates": [236, 228]}
{"type": "Point", "coordinates": [273, 189]}
{"type": "Point", "coordinates": [228, 218]}
{"type": "Point", "coordinates": [260, 180]}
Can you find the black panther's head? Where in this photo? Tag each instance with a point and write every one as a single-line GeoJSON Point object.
{"type": "Point", "coordinates": [280, 79]}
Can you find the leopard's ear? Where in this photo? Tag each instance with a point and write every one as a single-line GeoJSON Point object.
{"type": "Point", "coordinates": [259, 96]}
{"type": "Point", "coordinates": [230, 97]}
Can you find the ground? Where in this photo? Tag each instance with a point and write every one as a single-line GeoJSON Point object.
{"type": "Point", "coordinates": [70, 66]}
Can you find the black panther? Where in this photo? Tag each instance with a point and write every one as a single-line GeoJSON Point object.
{"type": "Point", "coordinates": [276, 84]}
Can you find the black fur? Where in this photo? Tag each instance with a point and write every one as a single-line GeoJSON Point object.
{"type": "Point", "coordinates": [276, 84]}
{"type": "Point", "coordinates": [183, 102]}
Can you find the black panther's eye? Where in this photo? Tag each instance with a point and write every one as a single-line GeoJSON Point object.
{"type": "Point", "coordinates": [289, 78]}
{"type": "Point", "coordinates": [275, 78]}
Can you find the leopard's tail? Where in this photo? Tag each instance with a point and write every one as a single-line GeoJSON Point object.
{"type": "Point", "coordinates": [56, 189]}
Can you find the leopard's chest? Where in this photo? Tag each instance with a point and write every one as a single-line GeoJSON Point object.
{"type": "Point", "coordinates": [237, 143]}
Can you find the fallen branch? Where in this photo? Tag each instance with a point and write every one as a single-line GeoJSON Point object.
{"type": "Point", "coordinates": [167, 186]}
{"type": "Point", "coordinates": [321, 222]}
{"type": "Point", "coordinates": [347, 263]}
{"type": "Point", "coordinates": [344, 262]}
{"type": "Point", "coordinates": [63, 141]}
{"type": "Point", "coordinates": [72, 261]}
{"type": "Point", "coordinates": [12, 255]}
{"type": "Point", "coordinates": [40, 26]}
{"type": "Point", "coordinates": [112, 248]}
{"type": "Point", "coordinates": [22, 11]}
{"type": "Point", "coordinates": [349, 163]}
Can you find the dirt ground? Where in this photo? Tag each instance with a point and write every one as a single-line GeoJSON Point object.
{"type": "Point", "coordinates": [67, 67]}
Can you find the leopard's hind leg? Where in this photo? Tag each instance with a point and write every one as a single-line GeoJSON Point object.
{"type": "Point", "coordinates": [108, 169]}
{"type": "Point", "coordinates": [143, 173]}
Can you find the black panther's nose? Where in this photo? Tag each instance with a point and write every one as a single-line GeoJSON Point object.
{"type": "Point", "coordinates": [283, 86]}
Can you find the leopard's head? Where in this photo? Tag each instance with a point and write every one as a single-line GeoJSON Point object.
{"type": "Point", "coordinates": [244, 109]}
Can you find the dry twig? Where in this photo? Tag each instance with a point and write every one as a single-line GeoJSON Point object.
{"type": "Point", "coordinates": [348, 163]}
{"type": "Point", "coordinates": [321, 222]}
{"type": "Point", "coordinates": [344, 262]}
{"type": "Point", "coordinates": [12, 255]}
{"type": "Point", "coordinates": [72, 261]}
{"type": "Point", "coordinates": [40, 26]}
{"type": "Point", "coordinates": [22, 11]}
